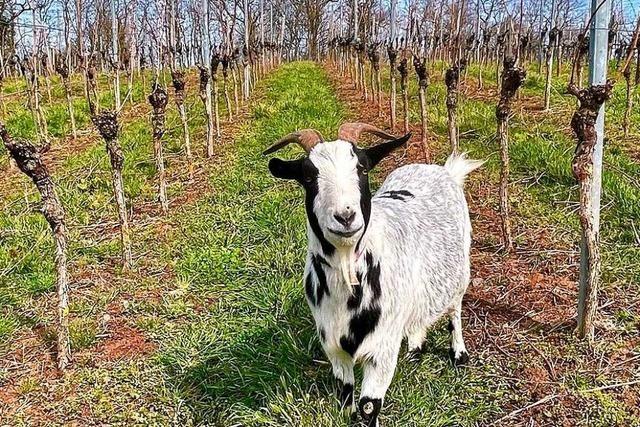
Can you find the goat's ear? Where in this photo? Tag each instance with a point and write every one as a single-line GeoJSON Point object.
{"type": "Point", "coordinates": [286, 169]}
{"type": "Point", "coordinates": [382, 150]}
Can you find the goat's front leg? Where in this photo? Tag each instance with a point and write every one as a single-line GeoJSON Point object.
{"type": "Point", "coordinates": [343, 372]}
{"type": "Point", "coordinates": [378, 373]}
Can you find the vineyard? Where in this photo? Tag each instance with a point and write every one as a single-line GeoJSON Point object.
{"type": "Point", "coordinates": [151, 268]}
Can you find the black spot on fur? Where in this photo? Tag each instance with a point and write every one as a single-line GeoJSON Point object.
{"type": "Point", "coordinates": [373, 276]}
{"type": "Point", "coordinates": [372, 280]}
{"type": "Point", "coordinates": [345, 394]}
{"type": "Point", "coordinates": [365, 191]}
{"type": "Point", "coordinates": [308, 288]}
{"type": "Point", "coordinates": [310, 183]}
{"type": "Point", "coordinates": [360, 325]}
{"type": "Point", "coordinates": [402, 195]}
{"type": "Point", "coordinates": [369, 410]}
{"type": "Point", "coordinates": [322, 287]}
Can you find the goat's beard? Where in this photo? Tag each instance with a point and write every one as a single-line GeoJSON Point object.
{"type": "Point", "coordinates": [348, 260]}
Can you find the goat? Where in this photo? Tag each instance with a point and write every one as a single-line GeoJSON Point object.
{"type": "Point", "coordinates": [379, 268]}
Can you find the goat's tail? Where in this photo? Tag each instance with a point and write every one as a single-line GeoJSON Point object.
{"type": "Point", "coordinates": [459, 166]}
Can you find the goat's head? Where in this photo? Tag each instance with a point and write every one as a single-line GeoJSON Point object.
{"type": "Point", "coordinates": [334, 175]}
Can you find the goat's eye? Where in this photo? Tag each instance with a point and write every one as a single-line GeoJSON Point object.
{"type": "Point", "coordinates": [361, 169]}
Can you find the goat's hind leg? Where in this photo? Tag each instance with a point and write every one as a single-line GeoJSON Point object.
{"type": "Point", "coordinates": [457, 351]}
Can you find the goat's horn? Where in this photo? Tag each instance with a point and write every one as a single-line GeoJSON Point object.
{"type": "Point", "coordinates": [351, 132]}
{"type": "Point", "coordinates": [306, 138]}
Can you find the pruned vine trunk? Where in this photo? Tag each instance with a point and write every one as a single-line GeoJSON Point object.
{"type": "Point", "coordinates": [451, 79]}
{"type": "Point", "coordinates": [626, 72]}
{"type": "Point", "coordinates": [158, 100]}
{"type": "Point", "coordinates": [583, 124]}
{"type": "Point", "coordinates": [374, 56]}
{"type": "Point", "coordinates": [512, 79]}
{"type": "Point", "coordinates": [225, 91]}
{"type": "Point", "coordinates": [3, 105]}
{"type": "Point", "coordinates": [420, 65]}
{"type": "Point", "coordinates": [628, 102]}
{"type": "Point", "coordinates": [236, 82]}
{"type": "Point", "coordinates": [392, 52]}
{"type": "Point", "coordinates": [215, 62]}
{"type": "Point", "coordinates": [583, 50]}
{"type": "Point", "coordinates": [107, 124]}
{"type": "Point", "coordinates": [205, 96]}
{"type": "Point", "coordinates": [403, 69]}
{"type": "Point", "coordinates": [178, 81]}
{"type": "Point", "coordinates": [28, 158]}
{"type": "Point", "coordinates": [63, 70]}
{"type": "Point", "coordinates": [360, 51]}
{"type": "Point", "coordinates": [553, 35]}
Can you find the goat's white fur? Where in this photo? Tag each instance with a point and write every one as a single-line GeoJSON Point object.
{"type": "Point", "coordinates": [421, 244]}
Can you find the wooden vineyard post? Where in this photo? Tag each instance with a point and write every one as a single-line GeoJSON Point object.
{"type": "Point", "coordinates": [28, 158]}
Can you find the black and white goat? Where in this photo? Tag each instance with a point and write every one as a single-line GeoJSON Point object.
{"type": "Point", "coordinates": [379, 268]}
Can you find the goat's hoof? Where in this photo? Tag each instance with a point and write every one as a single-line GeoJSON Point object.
{"type": "Point", "coordinates": [369, 410]}
{"type": "Point", "coordinates": [415, 354]}
{"type": "Point", "coordinates": [345, 394]}
{"type": "Point", "coordinates": [460, 360]}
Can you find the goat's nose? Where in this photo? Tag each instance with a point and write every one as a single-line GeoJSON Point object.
{"type": "Point", "coordinates": [345, 217]}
